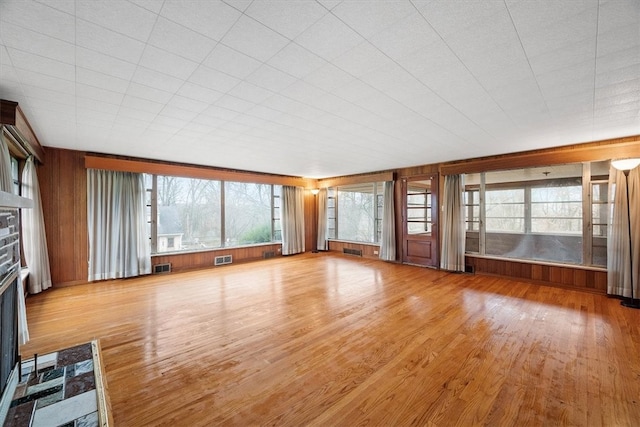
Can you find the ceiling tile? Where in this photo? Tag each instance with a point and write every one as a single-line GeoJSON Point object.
{"type": "Point", "coordinates": [199, 93]}
{"type": "Point", "coordinates": [96, 61]}
{"type": "Point", "coordinates": [240, 5]}
{"type": "Point", "coordinates": [287, 18]}
{"type": "Point", "coordinates": [329, 77]}
{"type": "Point", "coordinates": [362, 59]}
{"type": "Point", "coordinates": [26, 61]}
{"type": "Point", "coordinates": [234, 104]}
{"type": "Point", "coordinates": [94, 37]}
{"type": "Point", "coordinates": [120, 16]}
{"type": "Point", "coordinates": [98, 94]}
{"type": "Point", "coordinates": [269, 78]}
{"type": "Point", "coordinates": [376, 17]}
{"type": "Point", "coordinates": [188, 104]}
{"type": "Point", "coordinates": [97, 106]}
{"type": "Point", "coordinates": [149, 93]}
{"type": "Point", "coordinates": [329, 38]}
{"type": "Point", "coordinates": [232, 62]}
{"type": "Point", "coordinates": [46, 82]}
{"type": "Point", "coordinates": [151, 5]}
{"type": "Point", "coordinates": [103, 81]}
{"type": "Point", "coordinates": [450, 17]}
{"type": "Point", "coordinates": [157, 80]}
{"type": "Point", "coordinates": [178, 113]}
{"type": "Point", "coordinates": [250, 92]}
{"type": "Point", "coordinates": [175, 38]}
{"type": "Point", "coordinates": [126, 113]}
{"type": "Point", "coordinates": [38, 44]}
{"type": "Point", "coordinates": [211, 18]}
{"type": "Point", "coordinates": [296, 60]}
{"type": "Point", "coordinates": [43, 19]}
{"type": "Point", "coordinates": [142, 104]}
{"type": "Point", "coordinates": [34, 92]}
{"type": "Point", "coordinates": [213, 79]}
{"type": "Point", "coordinates": [167, 63]}
{"type": "Point", "coordinates": [408, 35]}
{"type": "Point", "coordinates": [254, 39]}
{"type": "Point", "coordinates": [67, 6]}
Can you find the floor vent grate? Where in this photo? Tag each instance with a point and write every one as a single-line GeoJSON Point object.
{"type": "Point", "coordinates": [268, 254]}
{"type": "Point", "coordinates": [357, 252]}
{"type": "Point", "coordinates": [223, 259]}
{"type": "Point", "coordinates": [162, 268]}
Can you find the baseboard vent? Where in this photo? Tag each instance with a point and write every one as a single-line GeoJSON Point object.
{"type": "Point", "coordinates": [469, 269]}
{"type": "Point", "coordinates": [268, 254]}
{"type": "Point", "coordinates": [223, 259]}
{"type": "Point", "coordinates": [357, 252]}
{"type": "Point", "coordinates": [162, 268]}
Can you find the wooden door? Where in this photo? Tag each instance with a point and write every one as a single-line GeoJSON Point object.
{"type": "Point", "coordinates": [420, 220]}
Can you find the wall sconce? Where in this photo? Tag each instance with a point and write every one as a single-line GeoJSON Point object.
{"type": "Point", "coordinates": [315, 191]}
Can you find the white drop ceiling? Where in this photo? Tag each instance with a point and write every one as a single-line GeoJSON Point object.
{"type": "Point", "coordinates": [321, 88]}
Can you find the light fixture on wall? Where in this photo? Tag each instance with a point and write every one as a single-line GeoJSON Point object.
{"type": "Point", "coordinates": [625, 165]}
{"type": "Point", "coordinates": [315, 191]}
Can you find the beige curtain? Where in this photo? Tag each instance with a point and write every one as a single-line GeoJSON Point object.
{"type": "Point", "coordinates": [618, 254]}
{"type": "Point", "coordinates": [292, 220]}
{"type": "Point", "coordinates": [453, 225]}
{"type": "Point", "coordinates": [388, 235]}
{"type": "Point", "coordinates": [322, 220]}
{"type": "Point", "coordinates": [118, 237]}
{"type": "Point", "coordinates": [34, 239]}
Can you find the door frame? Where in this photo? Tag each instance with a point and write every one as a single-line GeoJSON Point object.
{"type": "Point", "coordinates": [434, 239]}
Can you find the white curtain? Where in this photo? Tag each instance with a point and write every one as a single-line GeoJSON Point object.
{"type": "Point", "coordinates": [6, 184]}
{"type": "Point", "coordinates": [34, 239]}
{"type": "Point", "coordinates": [118, 238]}
{"type": "Point", "coordinates": [388, 237]}
{"type": "Point", "coordinates": [322, 196]}
{"type": "Point", "coordinates": [453, 226]}
{"type": "Point", "coordinates": [292, 220]}
{"type": "Point", "coordinates": [618, 255]}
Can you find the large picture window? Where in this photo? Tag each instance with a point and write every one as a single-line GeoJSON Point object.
{"type": "Point", "coordinates": [539, 213]}
{"type": "Point", "coordinates": [354, 212]}
{"type": "Point", "coordinates": [199, 214]}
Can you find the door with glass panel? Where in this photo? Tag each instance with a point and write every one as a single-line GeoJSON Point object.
{"type": "Point", "coordinates": [420, 220]}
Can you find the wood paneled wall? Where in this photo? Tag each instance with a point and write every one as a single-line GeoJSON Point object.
{"type": "Point", "coordinates": [586, 279]}
{"type": "Point", "coordinates": [368, 251]}
{"type": "Point", "coordinates": [63, 184]}
{"type": "Point", "coordinates": [63, 189]}
{"type": "Point", "coordinates": [204, 259]}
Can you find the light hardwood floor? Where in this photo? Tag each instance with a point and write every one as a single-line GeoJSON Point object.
{"type": "Point", "coordinates": [330, 340]}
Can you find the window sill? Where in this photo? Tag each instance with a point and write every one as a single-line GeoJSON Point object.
{"type": "Point", "coordinates": [538, 262]}
{"type": "Point", "coordinates": [355, 242]}
{"type": "Point", "coordinates": [226, 248]}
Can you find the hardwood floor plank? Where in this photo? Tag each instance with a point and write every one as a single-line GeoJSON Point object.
{"type": "Point", "coordinates": [325, 339]}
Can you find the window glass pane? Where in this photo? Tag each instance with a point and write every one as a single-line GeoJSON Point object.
{"type": "Point", "coordinates": [599, 221]}
{"type": "Point", "coordinates": [247, 213]}
{"type": "Point", "coordinates": [277, 212]}
{"type": "Point", "coordinates": [331, 213]}
{"type": "Point", "coordinates": [188, 213]}
{"type": "Point", "coordinates": [535, 213]}
{"type": "Point", "coordinates": [505, 210]}
{"type": "Point", "coordinates": [356, 213]}
{"type": "Point", "coordinates": [15, 175]}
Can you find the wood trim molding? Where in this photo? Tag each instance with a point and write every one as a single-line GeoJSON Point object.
{"type": "Point", "coordinates": [356, 179]}
{"type": "Point", "coordinates": [202, 172]}
{"type": "Point", "coordinates": [591, 151]}
{"type": "Point", "coordinates": [12, 116]}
